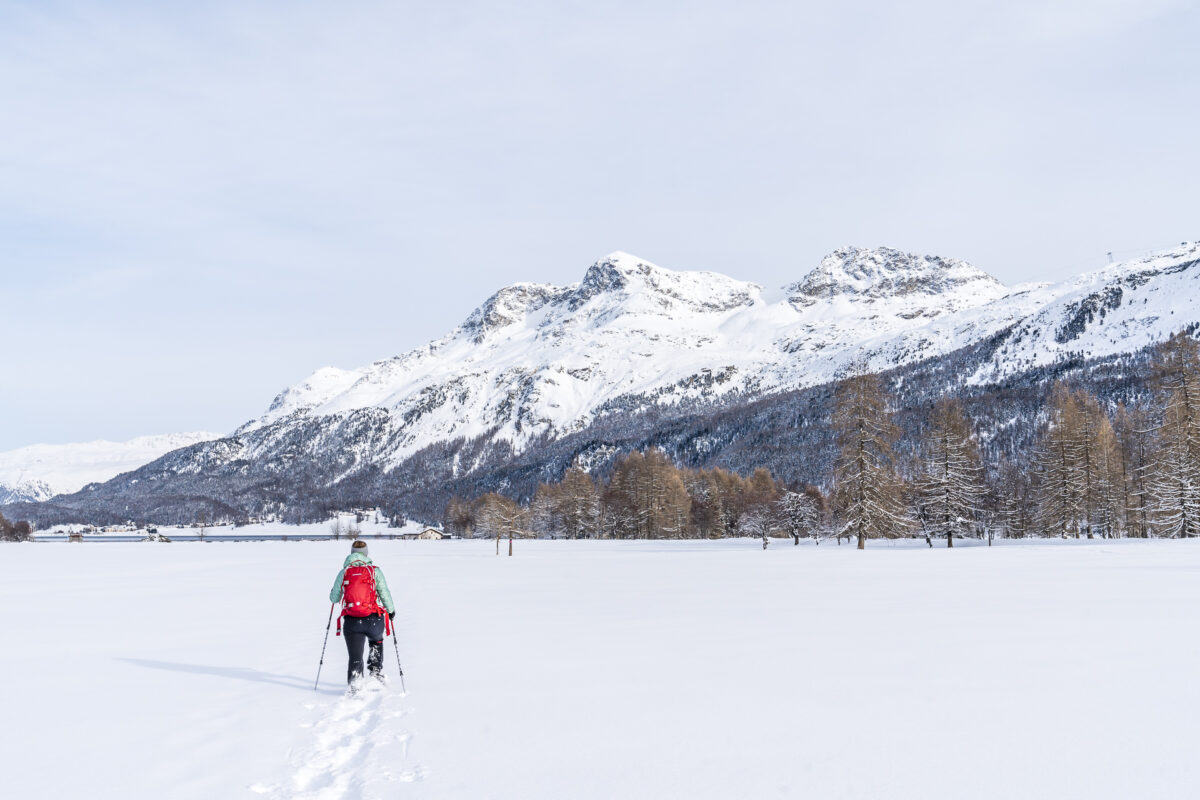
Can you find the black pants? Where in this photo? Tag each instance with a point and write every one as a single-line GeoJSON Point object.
{"type": "Point", "coordinates": [358, 631]}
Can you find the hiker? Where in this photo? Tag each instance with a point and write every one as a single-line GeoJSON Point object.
{"type": "Point", "coordinates": [368, 611]}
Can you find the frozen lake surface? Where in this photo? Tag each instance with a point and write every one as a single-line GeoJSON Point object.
{"type": "Point", "coordinates": [607, 670]}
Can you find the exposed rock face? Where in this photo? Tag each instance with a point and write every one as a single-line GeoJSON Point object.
{"type": "Point", "coordinates": [885, 273]}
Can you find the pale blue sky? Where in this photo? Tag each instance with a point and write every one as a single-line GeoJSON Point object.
{"type": "Point", "coordinates": [201, 203]}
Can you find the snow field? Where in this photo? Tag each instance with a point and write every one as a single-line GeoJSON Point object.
{"type": "Point", "coordinates": [607, 669]}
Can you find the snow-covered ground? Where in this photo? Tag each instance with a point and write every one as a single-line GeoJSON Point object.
{"type": "Point", "coordinates": [607, 670]}
{"type": "Point", "coordinates": [372, 524]}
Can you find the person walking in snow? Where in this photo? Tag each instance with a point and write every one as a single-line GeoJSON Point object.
{"type": "Point", "coordinates": [367, 609]}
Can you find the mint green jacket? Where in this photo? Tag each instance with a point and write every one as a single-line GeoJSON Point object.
{"type": "Point", "coordinates": [381, 587]}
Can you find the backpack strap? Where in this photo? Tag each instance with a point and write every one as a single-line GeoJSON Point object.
{"type": "Point", "coordinates": [387, 619]}
{"type": "Point", "coordinates": [344, 582]}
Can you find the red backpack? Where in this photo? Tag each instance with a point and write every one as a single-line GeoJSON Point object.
{"type": "Point", "coordinates": [358, 595]}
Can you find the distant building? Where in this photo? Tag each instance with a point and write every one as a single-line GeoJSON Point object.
{"type": "Point", "coordinates": [428, 533]}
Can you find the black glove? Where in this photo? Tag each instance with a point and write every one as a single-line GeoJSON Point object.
{"type": "Point", "coordinates": [391, 616]}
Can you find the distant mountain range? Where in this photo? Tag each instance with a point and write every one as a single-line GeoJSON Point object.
{"type": "Point", "coordinates": [40, 471]}
{"type": "Point", "coordinates": [540, 375]}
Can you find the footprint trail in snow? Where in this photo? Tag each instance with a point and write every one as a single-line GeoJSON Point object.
{"type": "Point", "coordinates": [356, 749]}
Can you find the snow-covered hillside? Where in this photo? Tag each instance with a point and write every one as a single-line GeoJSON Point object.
{"type": "Point", "coordinates": [1119, 309]}
{"type": "Point", "coordinates": [40, 471]}
{"type": "Point", "coordinates": [537, 359]}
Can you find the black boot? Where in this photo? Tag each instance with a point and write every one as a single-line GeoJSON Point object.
{"type": "Point", "coordinates": [375, 661]}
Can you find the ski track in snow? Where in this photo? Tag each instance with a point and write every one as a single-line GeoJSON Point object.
{"type": "Point", "coordinates": [356, 750]}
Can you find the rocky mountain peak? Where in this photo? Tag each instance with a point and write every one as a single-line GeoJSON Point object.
{"type": "Point", "coordinates": [645, 286]}
{"type": "Point", "coordinates": [614, 286]}
{"type": "Point", "coordinates": [509, 306]}
{"type": "Point", "coordinates": [614, 272]}
{"type": "Point", "coordinates": [883, 272]}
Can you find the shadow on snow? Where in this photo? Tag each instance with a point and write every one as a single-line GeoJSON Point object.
{"type": "Point", "coordinates": [236, 673]}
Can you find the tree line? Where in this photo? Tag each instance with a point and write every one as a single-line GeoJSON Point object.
{"type": "Point", "coordinates": [14, 531]}
{"type": "Point", "coordinates": [1094, 471]}
{"type": "Point", "coordinates": [644, 497]}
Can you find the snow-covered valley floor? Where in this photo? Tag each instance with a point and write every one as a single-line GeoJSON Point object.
{"type": "Point", "coordinates": [606, 670]}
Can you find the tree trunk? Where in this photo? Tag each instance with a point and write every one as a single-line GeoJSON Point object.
{"type": "Point", "coordinates": [862, 542]}
{"type": "Point", "coordinates": [497, 542]}
{"type": "Point", "coordinates": [949, 539]}
{"type": "Point", "coordinates": [797, 537]}
{"type": "Point", "coordinates": [510, 544]}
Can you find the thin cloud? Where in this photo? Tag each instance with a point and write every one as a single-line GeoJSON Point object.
{"type": "Point", "coordinates": [1059, 20]}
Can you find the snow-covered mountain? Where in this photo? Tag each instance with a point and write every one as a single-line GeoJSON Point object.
{"type": "Point", "coordinates": [40, 471]}
{"type": "Point", "coordinates": [541, 375]}
{"type": "Point", "coordinates": [537, 359]}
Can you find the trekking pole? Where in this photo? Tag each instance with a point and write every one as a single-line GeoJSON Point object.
{"type": "Point", "coordinates": [323, 646]}
{"type": "Point", "coordinates": [397, 643]}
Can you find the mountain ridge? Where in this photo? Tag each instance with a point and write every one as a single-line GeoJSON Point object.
{"type": "Point", "coordinates": [539, 342]}
{"type": "Point", "coordinates": [536, 364]}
